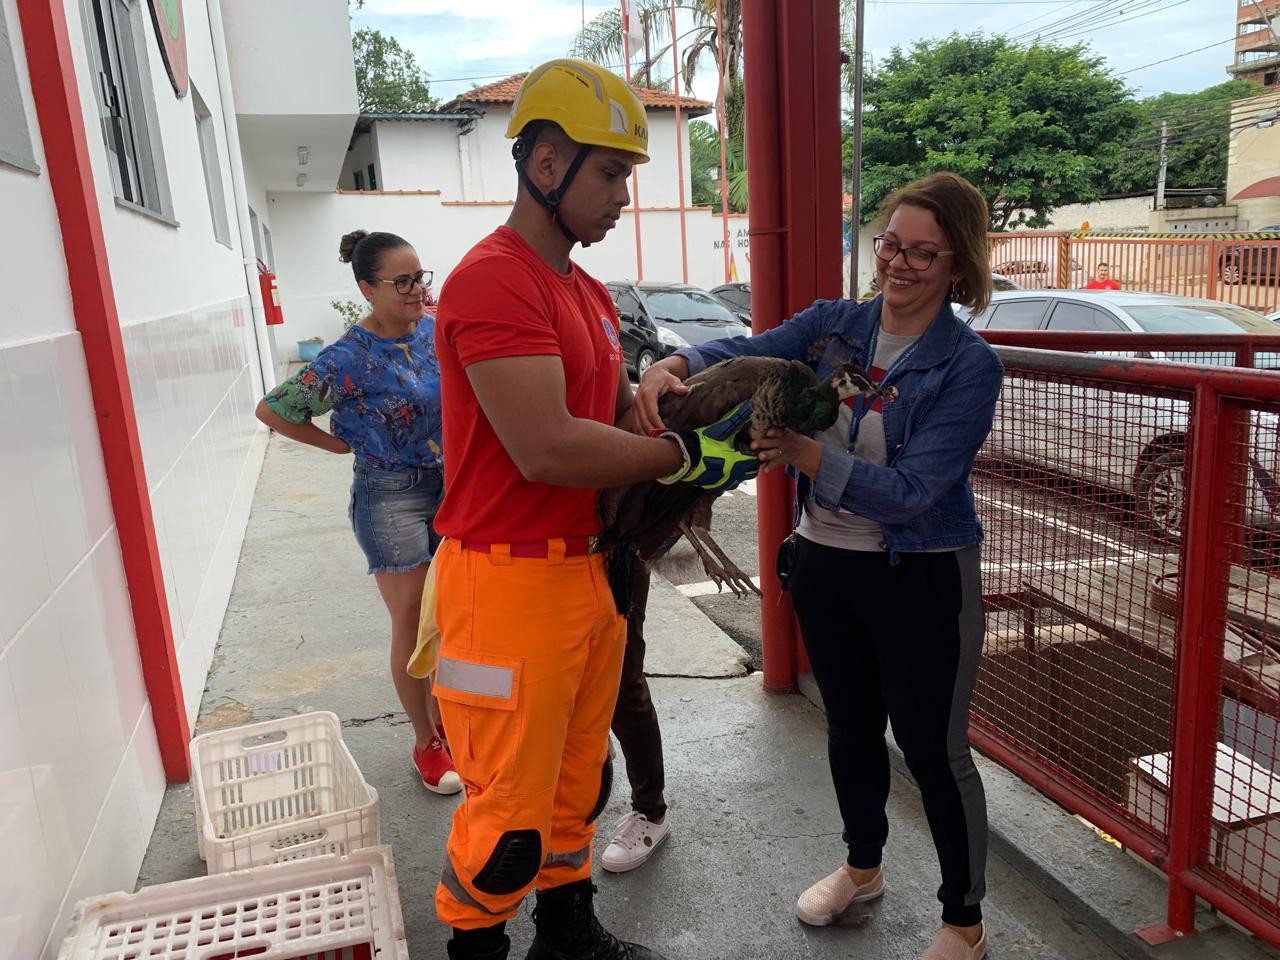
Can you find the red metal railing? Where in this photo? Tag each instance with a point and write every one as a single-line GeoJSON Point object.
{"type": "Point", "coordinates": [1132, 663]}
{"type": "Point", "coordinates": [1241, 269]}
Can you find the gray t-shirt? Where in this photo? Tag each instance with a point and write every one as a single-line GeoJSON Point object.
{"type": "Point", "coordinates": [840, 528]}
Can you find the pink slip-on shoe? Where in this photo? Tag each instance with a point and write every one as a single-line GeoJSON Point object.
{"type": "Point", "coordinates": [949, 945]}
{"type": "Point", "coordinates": [828, 899]}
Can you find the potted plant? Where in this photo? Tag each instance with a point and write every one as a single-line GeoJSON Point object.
{"type": "Point", "coordinates": [310, 348]}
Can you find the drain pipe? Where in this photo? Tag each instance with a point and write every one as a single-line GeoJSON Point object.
{"type": "Point", "coordinates": [222, 66]}
{"type": "Point", "coordinates": [66, 155]}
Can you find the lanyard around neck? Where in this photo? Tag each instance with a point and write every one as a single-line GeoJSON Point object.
{"type": "Point", "coordinates": [862, 404]}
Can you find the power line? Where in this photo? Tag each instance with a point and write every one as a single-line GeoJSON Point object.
{"type": "Point", "coordinates": [1116, 19]}
{"type": "Point", "coordinates": [1023, 23]}
{"type": "Point", "coordinates": [1177, 56]}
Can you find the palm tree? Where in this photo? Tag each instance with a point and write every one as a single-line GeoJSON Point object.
{"type": "Point", "coordinates": [601, 39]}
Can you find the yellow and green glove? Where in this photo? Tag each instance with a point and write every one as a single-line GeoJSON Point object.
{"type": "Point", "coordinates": [712, 459]}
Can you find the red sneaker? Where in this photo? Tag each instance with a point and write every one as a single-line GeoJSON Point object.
{"type": "Point", "coordinates": [435, 767]}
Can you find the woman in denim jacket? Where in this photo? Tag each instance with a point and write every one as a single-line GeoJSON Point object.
{"type": "Point", "coordinates": [885, 576]}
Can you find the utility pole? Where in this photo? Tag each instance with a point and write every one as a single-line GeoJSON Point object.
{"type": "Point", "coordinates": [855, 184]}
{"type": "Point", "coordinates": [1164, 163]}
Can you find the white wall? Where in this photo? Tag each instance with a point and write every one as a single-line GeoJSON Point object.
{"type": "Point", "coordinates": [287, 58]}
{"type": "Point", "coordinates": [1124, 213]}
{"type": "Point", "coordinates": [492, 169]}
{"type": "Point", "coordinates": [659, 178]}
{"type": "Point", "coordinates": [308, 229]}
{"type": "Point", "coordinates": [80, 774]}
{"type": "Point", "coordinates": [419, 155]}
{"type": "Point", "coordinates": [494, 172]}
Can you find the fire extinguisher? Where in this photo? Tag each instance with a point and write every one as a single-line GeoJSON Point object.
{"type": "Point", "coordinates": [270, 298]}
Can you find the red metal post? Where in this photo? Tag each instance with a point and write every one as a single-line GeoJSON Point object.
{"type": "Point", "coordinates": [1212, 446]}
{"type": "Point", "coordinates": [793, 152]}
{"type": "Point", "coordinates": [760, 26]}
{"type": "Point", "coordinates": [66, 148]}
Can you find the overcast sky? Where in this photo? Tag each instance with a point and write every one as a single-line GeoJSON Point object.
{"type": "Point", "coordinates": [462, 43]}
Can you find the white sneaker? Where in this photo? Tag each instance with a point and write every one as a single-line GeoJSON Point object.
{"type": "Point", "coordinates": [634, 840]}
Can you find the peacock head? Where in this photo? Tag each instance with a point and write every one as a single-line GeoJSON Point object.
{"type": "Point", "coordinates": [850, 380]}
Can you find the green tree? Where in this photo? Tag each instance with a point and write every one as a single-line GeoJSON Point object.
{"type": "Point", "coordinates": [1199, 137]}
{"type": "Point", "coordinates": [704, 167]}
{"type": "Point", "coordinates": [1031, 127]}
{"type": "Point", "coordinates": [388, 78]}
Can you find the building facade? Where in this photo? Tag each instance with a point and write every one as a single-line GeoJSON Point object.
{"type": "Point", "coordinates": [1257, 49]}
{"type": "Point", "coordinates": [169, 142]}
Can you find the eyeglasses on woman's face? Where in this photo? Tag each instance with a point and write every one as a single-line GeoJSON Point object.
{"type": "Point", "coordinates": [917, 258]}
{"type": "Point", "coordinates": [406, 281]}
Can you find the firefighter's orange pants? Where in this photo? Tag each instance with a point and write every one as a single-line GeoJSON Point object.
{"type": "Point", "coordinates": [530, 660]}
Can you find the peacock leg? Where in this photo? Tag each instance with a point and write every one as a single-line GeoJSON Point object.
{"type": "Point", "coordinates": [731, 569]}
{"type": "Point", "coordinates": [717, 575]}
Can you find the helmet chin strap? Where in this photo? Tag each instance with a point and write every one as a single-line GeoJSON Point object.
{"type": "Point", "coordinates": [550, 201]}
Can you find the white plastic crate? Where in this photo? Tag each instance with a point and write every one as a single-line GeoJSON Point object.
{"type": "Point", "coordinates": [279, 790]}
{"type": "Point", "coordinates": [323, 908]}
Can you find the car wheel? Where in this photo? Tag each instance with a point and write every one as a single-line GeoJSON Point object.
{"type": "Point", "coordinates": [1231, 273]}
{"type": "Point", "coordinates": [1161, 494]}
{"type": "Point", "coordinates": [644, 360]}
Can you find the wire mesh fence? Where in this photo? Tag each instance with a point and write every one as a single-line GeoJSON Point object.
{"type": "Point", "coordinates": [1132, 579]}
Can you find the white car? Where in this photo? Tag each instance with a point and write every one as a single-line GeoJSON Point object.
{"type": "Point", "coordinates": [1274, 317]}
{"type": "Point", "coordinates": [1123, 439]}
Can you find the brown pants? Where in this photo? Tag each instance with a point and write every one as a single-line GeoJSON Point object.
{"type": "Point", "coordinates": [635, 721]}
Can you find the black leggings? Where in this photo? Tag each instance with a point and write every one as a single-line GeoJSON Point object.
{"type": "Point", "coordinates": [900, 643]}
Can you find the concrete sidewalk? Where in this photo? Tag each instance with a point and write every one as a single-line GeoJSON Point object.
{"type": "Point", "coordinates": [753, 816]}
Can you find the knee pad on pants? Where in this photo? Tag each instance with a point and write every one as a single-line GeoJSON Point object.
{"type": "Point", "coordinates": [513, 865]}
{"type": "Point", "coordinates": [606, 788]}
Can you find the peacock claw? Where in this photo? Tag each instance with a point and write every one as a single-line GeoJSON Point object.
{"type": "Point", "coordinates": [722, 571]}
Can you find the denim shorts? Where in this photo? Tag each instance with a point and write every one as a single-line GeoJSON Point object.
{"type": "Point", "coordinates": [391, 513]}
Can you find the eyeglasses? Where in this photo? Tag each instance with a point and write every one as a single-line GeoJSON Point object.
{"type": "Point", "coordinates": [917, 258]}
{"type": "Point", "coordinates": [404, 283]}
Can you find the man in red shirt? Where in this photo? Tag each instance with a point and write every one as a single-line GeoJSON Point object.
{"type": "Point", "coordinates": [1102, 279]}
{"type": "Point", "coordinates": [531, 650]}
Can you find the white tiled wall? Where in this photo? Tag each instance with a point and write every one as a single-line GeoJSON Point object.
{"type": "Point", "coordinates": [80, 774]}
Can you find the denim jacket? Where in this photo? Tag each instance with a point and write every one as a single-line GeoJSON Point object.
{"type": "Point", "coordinates": [947, 392]}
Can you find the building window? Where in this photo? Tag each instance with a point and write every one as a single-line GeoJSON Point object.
{"type": "Point", "coordinates": [209, 160]}
{"type": "Point", "coordinates": [126, 103]}
{"type": "Point", "coordinates": [15, 140]}
{"type": "Point", "coordinates": [359, 179]}
{"type": "Point", "coordinates": [373, 178]}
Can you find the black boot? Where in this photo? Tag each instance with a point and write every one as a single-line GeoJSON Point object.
{"type": "Point", "coordinates": [568, 929]}
{"type": "Point", "coordinates": [465, 945]}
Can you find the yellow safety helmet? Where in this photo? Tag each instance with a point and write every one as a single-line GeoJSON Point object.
{"type": "Point", "coordinates": [592, 105]}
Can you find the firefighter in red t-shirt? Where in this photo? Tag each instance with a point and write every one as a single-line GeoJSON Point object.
{"type": "Point", "coordinates": [531, 647]}
{"type": "Point", "coordinates": [1102, 279]}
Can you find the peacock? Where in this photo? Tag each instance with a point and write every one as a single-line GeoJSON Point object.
{"type": "Point", "coordinates": [645, 520]}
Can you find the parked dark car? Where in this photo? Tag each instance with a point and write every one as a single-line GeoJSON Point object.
{"type": "Point", "coordinates": [737, 297]}
{"type": "Point", "coordinates": [1246, 262]}
{"type": "Point", "coordinates": [657, 319]}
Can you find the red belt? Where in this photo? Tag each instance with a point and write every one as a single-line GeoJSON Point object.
{"type": "Point", "coordinates": [536, 549]}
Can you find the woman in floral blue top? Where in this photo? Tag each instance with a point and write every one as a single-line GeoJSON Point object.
{"type": "Point", "coordinates": [380, 383]}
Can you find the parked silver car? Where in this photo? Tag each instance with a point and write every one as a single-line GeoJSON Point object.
{"type": "Point", "coordinates": [1126, 441]}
